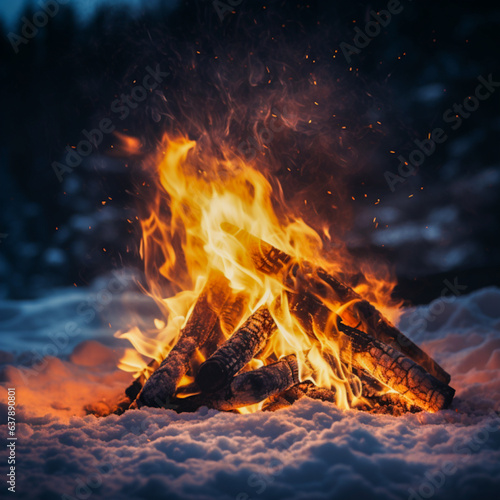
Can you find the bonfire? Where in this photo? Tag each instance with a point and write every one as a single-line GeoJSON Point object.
{"type": "Point", "coordinates": [261, 314]}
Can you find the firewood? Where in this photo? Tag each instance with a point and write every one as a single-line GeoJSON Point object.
{"type": "Point", "coordinates": [391, 403]}
{"type": "Point", "coordinates": [303, 389]}
{"type": "Point", "coordinates": [379, 360]}
{"type": "Point", "coordinates": [253, 387]}
{"type": "Point", "coordinates": [246, 389]}
{"type": "Point", "coordinates": [317, 281]}
{"type": "Point", "coordinates": [231, 315]}
{"type": "Point", "coordinates": [277, 404]}
{"type": "Point", "coordinates": [320, 393]}
{"type": "Point", "coordinates": [131, 392]}
{"type": "Point", "coordinates": [160, 387]}
{"type": "Point", "coordinates": [237, 351]}
{"type": "Point", "coordinates": [371, 387]}
{"type": "Point", "coordinates": [284, 399]}
{"type": "Point", "coordinates": [400, 373]}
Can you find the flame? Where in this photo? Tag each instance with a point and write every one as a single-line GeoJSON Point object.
{"type": "Point", "coordinates": [183, 239]}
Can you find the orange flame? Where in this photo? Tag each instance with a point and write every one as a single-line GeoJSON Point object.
{"type": "Point", "coordinates": [183, 242]}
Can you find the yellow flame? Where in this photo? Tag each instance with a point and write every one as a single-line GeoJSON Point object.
{"type": "Point", "coordinates": [183, 242]}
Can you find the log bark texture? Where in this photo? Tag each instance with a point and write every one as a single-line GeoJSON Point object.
{"type": "Point", "coordinates": [388, 404]}
{"type": "Point", "coordinates": [246, 389]}
{"type": "Point", "coordinates": [284, 399]}
{"type": "Point", "coordinates": [381, 361]}
{"type": "Point", "coordinates": [231, 315]}
{"type": "Point", "coordinates": [318, 282]}
{"type": "Point", "coordinates": [400, 373]}
{"type": "Point", "coordinates": [161, 386]}
{"type": "Point", "coordinates": [255, 386]}
{"type": "Point", "coordinates": [237, 351]}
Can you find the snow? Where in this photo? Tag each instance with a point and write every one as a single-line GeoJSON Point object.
{"type": "Point", "coordinates": [310, 451]}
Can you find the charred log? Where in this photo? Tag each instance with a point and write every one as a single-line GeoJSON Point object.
{"type": "Point", "coordinates": [255, 386]}
{"type": "Point", "coordinates": [316, 281]}
{"type": "Point", "coordinates": [400, 373]}
{"type": "Point", "coordinates": [237, 351]}
{"type": "Point", "coordinates": [388, 404]}
{"type": "Point", "coordinates": [231, 315]}
{"type": "Point", "coordinates": [284, 399]}
{"type": "Point", "coordinates": [162, 384]}
{"type": "Point", "coordinates": [246, 389]}
{"type": "Point", "coordinates": [381, 361]}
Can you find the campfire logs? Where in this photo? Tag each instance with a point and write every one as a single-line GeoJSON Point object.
{"type": "Point", "coordinates": [160, 387]}
{"type": "Point", "coordinates": [234, 354]}
{"type": "Point", "coordinates": [254, 386]}
{"type": "Point", "coordinates": [394, 374]}
{"type": "Point", "coordinates": [272, 261]}
{"type": "Point", "coordinates": [381, 361]}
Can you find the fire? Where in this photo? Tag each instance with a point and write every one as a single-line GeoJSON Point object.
{"type": "Point", "coordinates": [190, 231]}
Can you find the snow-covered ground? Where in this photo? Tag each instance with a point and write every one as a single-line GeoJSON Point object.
{"type": "Point", "coordinates": [311, 451]}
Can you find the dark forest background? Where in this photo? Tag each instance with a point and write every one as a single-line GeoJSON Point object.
{"type": "Point", "coordinates": [426, 59]}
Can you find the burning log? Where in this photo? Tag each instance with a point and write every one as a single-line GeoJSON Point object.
{"type": "Point", "coordinates": [236, 352]}
{"type": "Point", "coordinates": [379, 360]}
{"type": "Point", "coordinates": [387, 404]}
{"type": "Point", "coordinates": [231, 315]}
{"type": "Point", "coordinates": [371, 386]}
{"type": "Point", "coordinates": [398, 372]}
{"type": "Point", "coordinates": [318, 282]}
{"type": "Point", "coordinates": [321, 393]}
{"type": "Point", "coordinates": [284, 399]}
{"type": "Point", "coordinates": [162, 384]}
{"type": "Point", "coordinates": [246, 389]}
{"type": "Point", "coordinates": [384, 331]}
{"type": "Point", "coordinates": [255, 386]}
{"type": "Point", "coordinates": [299, 391]}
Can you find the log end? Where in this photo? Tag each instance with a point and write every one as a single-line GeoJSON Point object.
{"type": "Point", "coordinates": [157, 391]}
{"type": "Point", "coordinates": [279, 404]}
{"type": "Point", "coordinates": [211, 376]}
{"type": "Point", "coordinates": [133, 389]}
{"type": "Point", "coordinates": [442, 400]}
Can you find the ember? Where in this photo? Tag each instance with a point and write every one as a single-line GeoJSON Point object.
{"type": "Point", "coordinates": [261, 318]}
